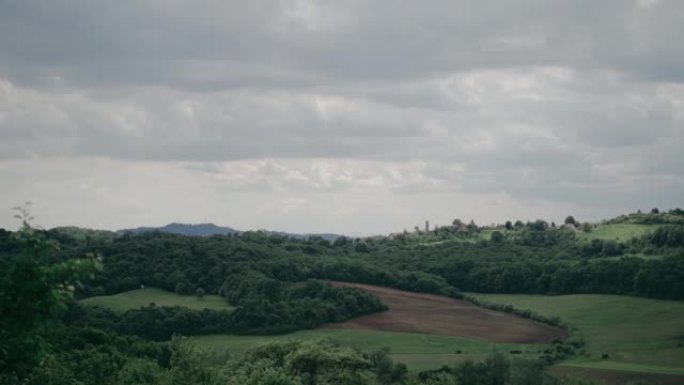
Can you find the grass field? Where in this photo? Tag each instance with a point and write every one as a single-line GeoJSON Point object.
{"type": "Point", "coordinates": [638, 334]}
{"type": "Point", "coordinates": [418, 351]}
{"type": "Point", "coordinates": [134, 299]}
{"type": "Point", "coordinates": [616, 231]}
{"type": "Point", "coordinates": [616, 377]}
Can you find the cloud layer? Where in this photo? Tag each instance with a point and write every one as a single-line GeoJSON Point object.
{"type": "Point", "coordinates": [343, 116]}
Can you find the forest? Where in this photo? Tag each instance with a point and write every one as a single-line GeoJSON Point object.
{"type": "Point", "coordinates": [277, 285]}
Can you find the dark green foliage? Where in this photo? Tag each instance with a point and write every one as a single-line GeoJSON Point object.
{"type": "Point", "coordinates": [33, 289]}
{"type": "Point", "coordinates": [497, 237]}
{"type": "Point", "coordinates": [667, 236]}
{"type": "Point", "coordinates": [267, 305]}
{"type": "Point", "coordinates": [554, 321]}
{"type": "Point", "coordinates": [533, 258]}
{"type": "Point", "coordinates": [497, 369]}
{"type": "Point", "coordinates": [386, 372]}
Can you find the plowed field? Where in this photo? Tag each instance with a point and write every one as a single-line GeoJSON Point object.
{"type": "Point", "coordinates": [433, 314]}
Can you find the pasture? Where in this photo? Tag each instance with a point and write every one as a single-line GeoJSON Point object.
{"type": "Point", "coordinates": [135, 299]}
{"type": "Point", "coordinates": [635, 334]}
{"type": "Point", "coordinates": [417, 351]}
{"type": "Point", "coordinates": [616, 231]}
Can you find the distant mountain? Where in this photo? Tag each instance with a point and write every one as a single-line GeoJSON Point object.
{"type": "Point", "coordinates": [199, 230]}
{"type": "Point", "coordinates": [209, 229]}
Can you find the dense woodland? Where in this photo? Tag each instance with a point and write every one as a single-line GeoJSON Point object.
{"type": "Point", "coordinates": [277, 285]}
{"type": "Point", "coordinates": [535, 257]}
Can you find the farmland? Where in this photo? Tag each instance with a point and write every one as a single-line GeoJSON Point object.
{"type": "Point", "coordinates": [135, 299]}
{"type": "Point", "coordinates": [433, 314]}
{"type": "Point", "coordinates": [635, 334]}
{"type": "Point", "coordinates": [422, 331]}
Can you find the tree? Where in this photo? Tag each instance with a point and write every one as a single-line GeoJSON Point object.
{"type": "Point", "coordinates": [316, 359]}
{"type": "Point", "coordinates": [458, 224]}
{"type": "Point", "coordinates": [570, 220]}
{"type": "Point", "coordinates": [181, 288]}
{"type": "Point", "coordinates": [508, 225]}
{"type": "Point", "coordinates": [497, 237]}
{"type": "Point", "coordinates": [31, 293]}
{"type": "Point", "coordinates": [655, 210]}
{"type": "Point", "coordinates": [190, 365]}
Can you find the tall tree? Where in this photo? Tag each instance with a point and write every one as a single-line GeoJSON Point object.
{"type": "Point", "coordinates": [31, 293]}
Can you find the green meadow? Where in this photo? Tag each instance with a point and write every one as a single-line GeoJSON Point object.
{"type": "Point", "coordinates": [636, 334]}
{"type": "Point", "coordinates": [616, 231]}
{"type": "Point", "coordinates": [135, 299]}
{"type": "Point", "coordinates": [417, 351]}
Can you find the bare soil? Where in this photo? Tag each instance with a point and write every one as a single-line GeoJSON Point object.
{"type": "Point", "coordinates": [433, 314]}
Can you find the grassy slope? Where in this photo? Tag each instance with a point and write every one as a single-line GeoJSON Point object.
{"type": "Point", "coordinates": [638, 334]}
{"type": "Point", "coordinates": [418, 351]}
{"type": "Point", "coordinates": [134, 299]}
{"type": "Point", "coordinates": [616, 231]}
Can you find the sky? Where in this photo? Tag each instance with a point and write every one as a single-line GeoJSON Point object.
{"type": "Point", "coordinates": [355, 117]}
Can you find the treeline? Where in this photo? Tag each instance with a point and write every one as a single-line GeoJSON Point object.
{"type": "Point", "coordinates": [666, 237]}
{"type": "Point", "coordinates": [263, 307]}
{"type": "Point", "coordinates": [359, 272]}
{"type": "Point", "coordinates": [535, 258]}
{"type": "Point", "coordinates": [653, 217]}
{"type": "Point", "coordinates": [627, 276]}
{"type": "Point", "coordinates": [153, 323]}
{"type": "Point", "coordinates": [268, 306]}
{"type": "Point", "coordinates": [496, 369]}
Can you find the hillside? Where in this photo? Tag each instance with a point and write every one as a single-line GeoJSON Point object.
{"type": "Point", "coordinates": [586, 296]}
{"type": "Point", "coordinates": [210, 229]}
{"type": "Point", "coordinates": [194, 230]}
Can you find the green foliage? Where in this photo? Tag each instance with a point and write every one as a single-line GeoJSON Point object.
{"type": "Point", "coordinates": [497, 237]}
{"type": "Point", "coordinates": [530, 258]}
{"type": "Point", "coordinates": [189, 365]}
{"type": "Point", "coordinates": [32, 291]}
{"type": "Point", "coordinates": [496, 369]}
{"type": "Point", "coordinates": [267, 305]}
{"type": "Point", "coordinates": [273, 282]}
{"type": "Point", "coordinates": [308, 363]}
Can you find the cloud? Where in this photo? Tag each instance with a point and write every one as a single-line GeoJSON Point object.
{"type": "Point", "coordinates": [387, 110]}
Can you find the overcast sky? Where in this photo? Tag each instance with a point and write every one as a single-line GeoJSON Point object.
{"type": "Point", "coordinates": [356, 117]}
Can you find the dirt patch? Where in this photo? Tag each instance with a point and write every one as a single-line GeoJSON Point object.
{"type": "Point", "coordinates": [433, 314]}
{"type": "Point", "coordinates": [616, 377]}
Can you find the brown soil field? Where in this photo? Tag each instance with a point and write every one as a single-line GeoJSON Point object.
{"type": "Point", "coordinates": [433, 314]}
{"type": "Point", "coordinates": [616, 377]}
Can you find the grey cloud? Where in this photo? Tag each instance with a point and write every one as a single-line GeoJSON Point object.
{"type": "Point", "coordinates": [213, 44]}
{"type": "Point", "coordinates": [533, 104]}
